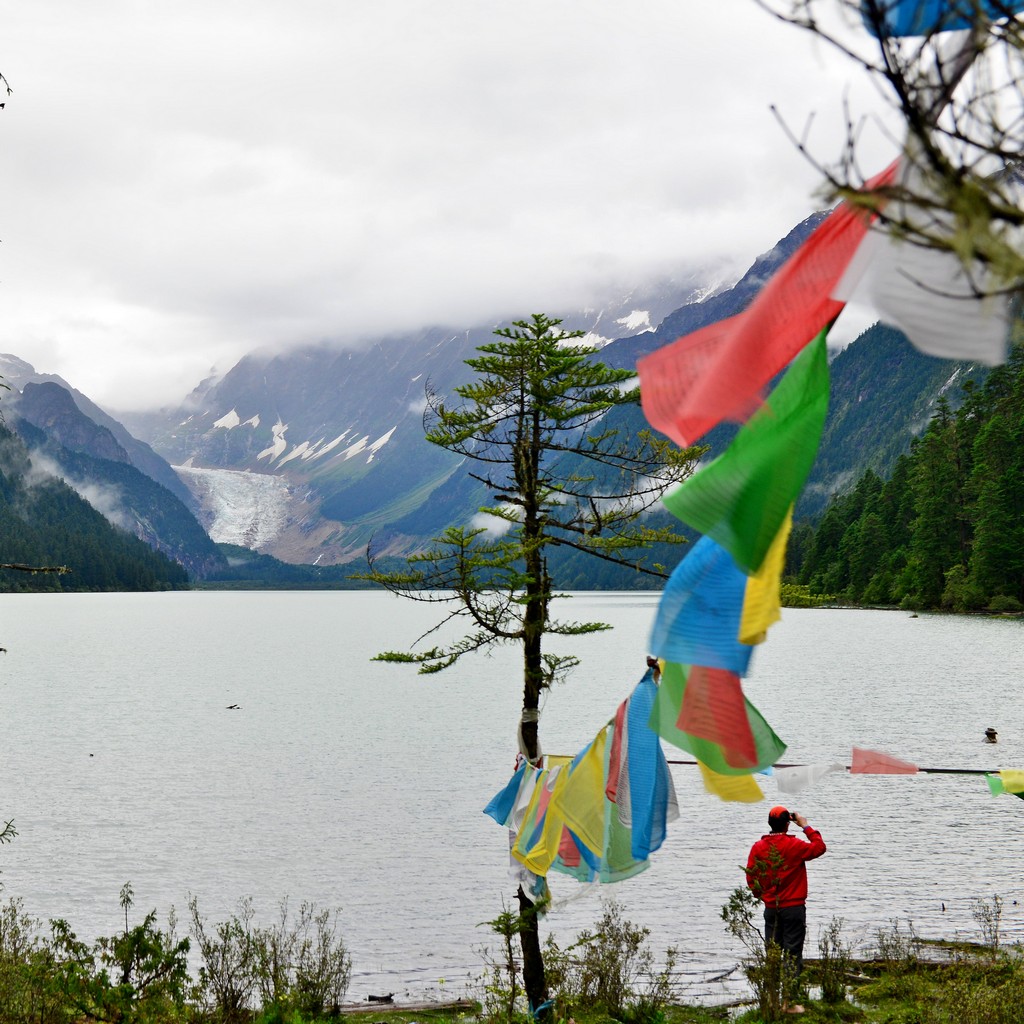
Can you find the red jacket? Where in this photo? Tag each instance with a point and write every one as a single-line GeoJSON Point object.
{"type": "Point", "coordinates": [776, 870]}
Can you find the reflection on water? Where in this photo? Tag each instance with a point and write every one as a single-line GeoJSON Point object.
{"type": "Point", "coordinates": [360, 785]}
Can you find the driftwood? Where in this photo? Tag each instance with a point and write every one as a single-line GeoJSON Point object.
{"type": "Point", "coordinates": [419, 1007]}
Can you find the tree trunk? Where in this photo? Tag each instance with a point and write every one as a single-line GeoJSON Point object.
{"type": "Point", "coordinates": [534, 980]}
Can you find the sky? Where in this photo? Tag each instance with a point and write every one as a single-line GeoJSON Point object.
{"type": "Point", "coordinates": [182, 183]}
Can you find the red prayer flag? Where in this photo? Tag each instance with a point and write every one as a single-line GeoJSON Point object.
{"type": "Point", "coordinates": [714, 708]}
{"type": "Point", "coordinates": [718, 372]}
{"type": "Point", "coordinates": [874, 762]}
{"type": "Point", "coordinates": [615, 756]}
{"type": "Point", "coordinates": [568, 850]}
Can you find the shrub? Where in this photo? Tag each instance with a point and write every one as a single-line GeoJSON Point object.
{"type": "Point", "coordinates": [227, 972]}
{"type": "Point", "coordinates": [1005, 603]}
{"type": "Point", "coordinates": [303, 965]}
{"type": "Point", "coordinates": [835, 957]}
{"type": "Point", "coordinates": [20, 996]}
{"type": "Point", "coordinates": [988, 914]}
{"type": "Point", "coordinates": [138, 977]}
{"type": "Point", "coordinates": [502, 996]}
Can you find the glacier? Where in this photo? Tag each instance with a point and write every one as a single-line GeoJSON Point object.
{"type": "Point", "coordinates": [248, 509]}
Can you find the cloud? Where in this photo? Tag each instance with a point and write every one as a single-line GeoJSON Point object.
{"type": "Point", "coordinates": [188, 182]}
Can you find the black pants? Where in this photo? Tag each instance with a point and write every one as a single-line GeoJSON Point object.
{"type": "Point", "coordinates": [786, 927]}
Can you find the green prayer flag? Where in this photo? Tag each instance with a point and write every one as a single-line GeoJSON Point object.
{"type": "Point", "coordinates": [741, 498]}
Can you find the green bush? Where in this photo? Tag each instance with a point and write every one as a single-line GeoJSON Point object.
{"type": "Point", "coordinates": [302, 964]}
{"type": "Point", "coordinates": [227, 970]}
{"type": "Point", "coordinates": [768, 969]}
{"type": "Point", "coordinates": [610, 970]}
{"type": "Point", "coordinates": [834, 961]}
{"type": "Point", "coordinates": [138, 977]}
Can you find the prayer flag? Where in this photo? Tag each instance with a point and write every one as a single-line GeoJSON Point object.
{"type": "Point", "coordinates": [923, 17]}
{"type": "Point", "coordinates": [541, 834]}
{"type": "Point", "coordinates": [718, 372]}
{"type": "Point", "coordinates": [742, 498]}
{"type": "Point", "coordinates": [583, 799]}
{"type": "Point", "coordinates": [1012, 780]}
{"type": "Point", "coordinates": [799, 777]}
{"type": "Point", "coordinates": [615, 755]}
{"type": "Point", "coordinates": [935, 297]}
{"type": "Point", "coordinates": [502, 803]}
{"type": "Point", "coordinates": [734, 739]}
{"type": "Point", "coordinates": [874, 762]}
{"type": "Point", "coordinates": [736, 788]}
{"type": "Point", "coordinates": [762, 602]}
{"type": "Point", "coordinates": [699, 613]}
{"type": "Point", "coordinates": [649, 782]}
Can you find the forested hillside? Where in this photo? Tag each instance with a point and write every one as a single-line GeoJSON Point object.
{"type": "Point", "coordinates": [44, 522]}
{"type": "Point", "coordinates": [946, 529]}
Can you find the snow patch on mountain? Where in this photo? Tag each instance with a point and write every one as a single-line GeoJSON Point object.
{"type": "Point", "coordinates": [278, 445]}
{"type": "Point", "coordinates": [363, 445]}
{"type": "Point", "coordinates": [380, 442]}
{"type": "Point", "coordinates": [228, 420]}
{"type": "Point", "coordinates": [249, 509]}
{"type": "Point", "coordinates": [315, 452]}
{"type": "Point", "coordinates": [636, 320]}
{"type": "Point", "coordinates": [355, 448]}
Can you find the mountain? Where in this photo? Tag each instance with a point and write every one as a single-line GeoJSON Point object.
{"type": "Point", "coordinates": [66, 443]}
{"type": "Point", "coordinates": [16, 373]}
{"type": "Point", "coordinates": [43, 522]}
{"type": "Point", "coordinates": [311, 455]}
{"type": "Point", "coordinates": [308, 455]}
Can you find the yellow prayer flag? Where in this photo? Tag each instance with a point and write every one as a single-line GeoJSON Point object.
{"type": "Point", "coordinates": [540, 854]}
{"type": "Point", "coordinates": [581, 801]}
{"type": "Point", "coordinates": [1012, 779]}
{"type": "Point", "coordinates": [738, 788]}
{"type": "Point", "coordinates": [762, 603]}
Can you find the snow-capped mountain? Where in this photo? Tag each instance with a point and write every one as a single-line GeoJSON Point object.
{"type": "Point", "coordinates": [306, 455]}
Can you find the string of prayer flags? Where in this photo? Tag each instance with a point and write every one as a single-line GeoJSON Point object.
{"type": "Point", "coordinates": [874, 762]}
{"type": "Point", "coordinates": [734, 788]}
{"type": "Point", "coordinates": [719, 371]}
{"type": "Point", "coordinates": [700, 611]}
{"type": "Point", "coordinates": [742, 498]}
{"type": "Point", "coordinates": [704, 712]}
{"type": "Point", "coordinates": [924, 17]}
{"type": "Point", "coordinates": [798, 777]}
{"type": "Point", "coordinates": [600, 814]}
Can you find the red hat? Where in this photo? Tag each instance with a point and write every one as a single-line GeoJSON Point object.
{"type": "Point", "coordinates": [779, 813]}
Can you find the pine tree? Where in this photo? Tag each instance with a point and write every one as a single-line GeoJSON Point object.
{"type": "Point", "coordinates": [537, 425]}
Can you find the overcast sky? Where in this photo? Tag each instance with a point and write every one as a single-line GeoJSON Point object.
{"type": "Point", "coordinates": [183, 182]}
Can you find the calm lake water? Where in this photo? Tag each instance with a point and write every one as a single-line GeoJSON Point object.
{"type": "Point", "coordinates": [360, 785]}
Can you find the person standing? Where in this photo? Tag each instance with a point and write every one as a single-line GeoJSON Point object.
{"type": "Point", "coordinates": [777, 875]}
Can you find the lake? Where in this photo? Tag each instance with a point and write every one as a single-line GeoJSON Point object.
{"type": "Point", "coordinates": [360, 785]}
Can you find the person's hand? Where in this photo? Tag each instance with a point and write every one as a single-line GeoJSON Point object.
{"type": "Point", "coordinates": [800, 820]}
